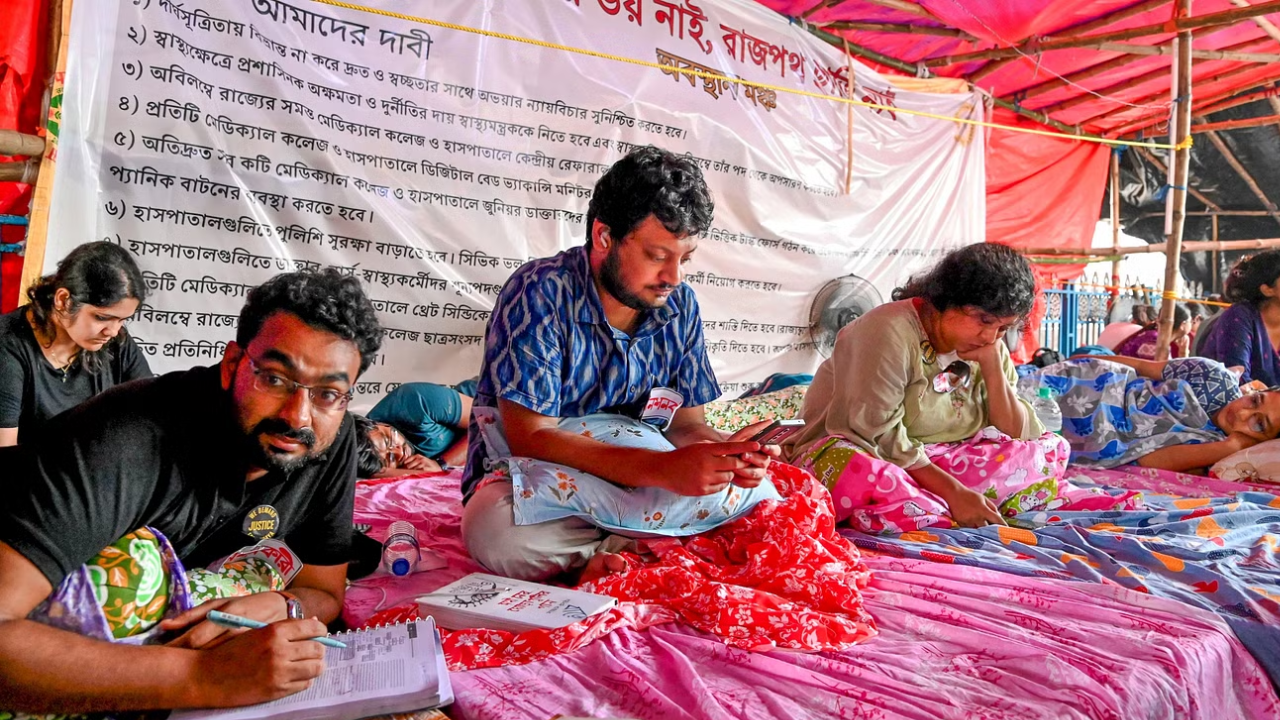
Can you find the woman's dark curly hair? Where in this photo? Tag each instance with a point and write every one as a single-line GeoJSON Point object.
{"type": "Point", "coordinates": [992, 277]}
{"type": "Point", "coordinates": [325, 299]}
{"type": "Point", "coordinates": [97, 273]}
{"type": "Point", "coordinates": [651, 181]}
{"type": "Point", "coordinates": [368, 462]}
{"type": "Point", "coordinates": [1249, 274]}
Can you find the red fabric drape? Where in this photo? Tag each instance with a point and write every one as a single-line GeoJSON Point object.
{"type": "Point", "coordinates": [23, 72]}
{"type": "Point", "coordinates": [1043, 192]}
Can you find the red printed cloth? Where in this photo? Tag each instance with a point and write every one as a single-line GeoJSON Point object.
{"type": "Point", "coordinates": [781, 577]}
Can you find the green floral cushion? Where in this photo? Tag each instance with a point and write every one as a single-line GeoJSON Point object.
{"type": "Point", "coordinates": [733, 415]}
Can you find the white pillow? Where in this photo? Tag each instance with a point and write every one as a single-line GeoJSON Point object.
{"type": "Point", "coordinates": [1260, 463]}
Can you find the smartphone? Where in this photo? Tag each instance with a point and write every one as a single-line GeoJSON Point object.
{"type": "Point", "coordinates": [777, 431]}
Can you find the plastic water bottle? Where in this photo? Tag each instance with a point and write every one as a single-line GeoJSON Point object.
{"type": "Point", "coordinates": [400, 551]}
{"type": "Point", "coordinates": [1047, 410]}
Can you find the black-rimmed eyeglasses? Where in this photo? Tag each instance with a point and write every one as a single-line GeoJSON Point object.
{"type": "Point", "coordinates": [277, 385]}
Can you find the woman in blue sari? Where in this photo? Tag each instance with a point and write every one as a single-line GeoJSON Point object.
{"type": "Point", "coordinates": [1183, 414]}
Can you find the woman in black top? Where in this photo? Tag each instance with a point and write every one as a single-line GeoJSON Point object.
{"type": "Point", "coordinates": [69, 343]}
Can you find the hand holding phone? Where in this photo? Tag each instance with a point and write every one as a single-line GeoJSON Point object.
{"type": "Point", "coordinates": [777, 431]}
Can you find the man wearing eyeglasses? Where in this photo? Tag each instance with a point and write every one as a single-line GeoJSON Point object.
{"type": "Point", "coordinates": [212, 459]}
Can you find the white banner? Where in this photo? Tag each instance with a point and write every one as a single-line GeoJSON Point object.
{"type": "Point", "coordinates": [224, 142]}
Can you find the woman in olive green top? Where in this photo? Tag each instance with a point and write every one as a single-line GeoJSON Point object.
{"type": "Point", "coordinates": [926, 370]}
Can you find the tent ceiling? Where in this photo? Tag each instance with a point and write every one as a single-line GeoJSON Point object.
{"type": "Point", "coordinates": [1113, 79]}
{"type": "Point", "coordinates": [1116, 69]}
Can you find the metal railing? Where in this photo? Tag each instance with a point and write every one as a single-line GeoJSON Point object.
{"type": "Point", "coordinates": [1076, 313]}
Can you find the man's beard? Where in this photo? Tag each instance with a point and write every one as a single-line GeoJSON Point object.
{"type": "Point", "coordinates": [267, 459]}
{"type": "Point", "coordinates": [611, 278]}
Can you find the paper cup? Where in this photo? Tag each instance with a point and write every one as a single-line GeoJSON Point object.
{"type": "Point", "coordinates": [661, 407]}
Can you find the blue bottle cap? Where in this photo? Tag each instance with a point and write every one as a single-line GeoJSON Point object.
{"type": "Point", "coordinates": [401, 566]}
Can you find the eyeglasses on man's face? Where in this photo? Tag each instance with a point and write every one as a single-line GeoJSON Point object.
{"type": "Point", "coordinates": [270, 382]}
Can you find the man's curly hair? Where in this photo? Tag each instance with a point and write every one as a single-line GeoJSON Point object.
{"type": "Point", "coordinates": [325, 299]}
{"type": "Point", "coordinates": [651, 181]}
{"type": "Point", "coordinates": [994, 278]}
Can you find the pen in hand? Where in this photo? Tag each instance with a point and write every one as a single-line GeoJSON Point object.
{"type": "Point", "coordinates": [235, 621]}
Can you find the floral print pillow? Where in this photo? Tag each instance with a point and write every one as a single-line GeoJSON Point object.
{"type": "Point", "coordinates": [546, 491]}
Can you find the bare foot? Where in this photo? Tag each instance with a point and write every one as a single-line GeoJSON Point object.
{"type": "Point", "coordinates": [600, 565]}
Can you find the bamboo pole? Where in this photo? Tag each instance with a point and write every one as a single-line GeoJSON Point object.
{"type": "Point", "coordinates": [1214, 213]}
{"type": "Point", "coordinates": [1108, 91]}
{"type": "Point", "coordinates": [1223, 54]}
{"type": "Point", "coordinates": [1156, 96]}
{"type": "Point", "coordinates": [1183, 24]}
{"type": "Point", "coordinates": [1187, 247]}
{"type": "Point", "coordinates": [14, 143]}
{"type": "Point", "coordinates": [20, 171]}
{"type": "Point", "coordinates": [899, 28]}
{"type": "Point", "coordinates": [1115, 221]}
{"type": "Point", "coordinates": [1222, 101]}
{"type": "Point", "coordinates": [1104, 67]}
{"type": "Point", "coordinates": [1236, 124]}
{"type": "Point", "coordinates": [1159, 164]}
{"type": "Point", "coordinates": [1076, 30]}
{"type": "Point", "coordinates": [1244, 175]}
{"type": "Point", "coordinates": [1213, 282]}
{"type": "Point", "coordinates": [41, 197]}
{"type": "Point", "coordinates": [904, 6]}
{"type": "Point", "coordinates": [1231, 101]}
{"type": "Point", "coordinates": [1181, 173]}
{"type": "Point", "coordinates": [819, 8]}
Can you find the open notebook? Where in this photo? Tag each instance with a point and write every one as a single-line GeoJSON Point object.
{"type": "Point", "coordinates": [387, 669]}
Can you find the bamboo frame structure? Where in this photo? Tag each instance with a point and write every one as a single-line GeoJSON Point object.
{"type": "Point", "coordinates": [1074, 30]}
{"type": "Point", "coordinates": [1159, 164]}
{"type": "Point", "coordinates": [1115, 219]}
{"type": "Point", "coordinates": [1222, 101]}
{"type": "Point", "coordinates": [902, 29]}
{"type": "Point", "coordinates": [1180, 25]}
{"type": "Point", "coordinates": [1214, 213]}
{"type": "Point", "coordinates": [1108, 66]}
{"type": "Point", "coordinates": [1187, 247]}
{"type": "Point", "coordinates": [1244, 174]}
{"type": "Point", "coordinates": [1156, 96]}
{"type": "Point", "coordinates": [13, 142]}
{"type": "Point", "coordinates": [1237, 124]}
{"type": "Point", "coordinates": [1181, 172]}
{"type": "Point", "coordinates": [42, 196]}
{"type": "Point", "coordinates": [1223, 54]}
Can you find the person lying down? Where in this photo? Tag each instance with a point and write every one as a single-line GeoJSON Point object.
{"type": "Point", "coordinates": [1183, 414]}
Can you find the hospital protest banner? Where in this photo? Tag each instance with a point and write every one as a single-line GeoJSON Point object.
{"type": "Point", "coordinates": [225, 142]}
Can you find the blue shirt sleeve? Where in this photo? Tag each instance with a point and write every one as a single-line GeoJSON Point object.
{"type": "Point", "coordinates": [526, 339]}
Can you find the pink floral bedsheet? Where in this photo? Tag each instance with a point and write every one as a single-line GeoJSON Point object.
{"type": "Point", "coordinates": [954, 642]}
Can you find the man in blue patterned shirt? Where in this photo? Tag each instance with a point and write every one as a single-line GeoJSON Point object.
{"type": "Point", "coordinates": [595, 329]}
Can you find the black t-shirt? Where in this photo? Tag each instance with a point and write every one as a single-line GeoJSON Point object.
{"type": "Point", "coordinates": [32, 391]}
{"type": "Point", "coordinates": [168, 453]}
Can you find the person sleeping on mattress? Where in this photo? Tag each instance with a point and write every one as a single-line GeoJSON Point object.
{"type": "Point", "coordinates": [1183, 414]}
{"type": "Point", "coordinates": [913, 421]}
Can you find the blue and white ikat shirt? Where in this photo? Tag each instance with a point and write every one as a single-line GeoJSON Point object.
{"type": "Point", "coordinates": [549, 348]}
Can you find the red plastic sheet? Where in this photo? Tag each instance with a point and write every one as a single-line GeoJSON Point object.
{"type": "Point", "coordinates": [23, 39]}
{"type": "Point", "coordinates": [1044, 192]}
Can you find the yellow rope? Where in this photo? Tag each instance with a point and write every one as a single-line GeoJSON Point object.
{"type": "Point", "coordinates": [764, 86]}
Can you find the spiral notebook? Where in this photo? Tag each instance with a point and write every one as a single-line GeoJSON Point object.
{"type": "Point", "coordinates": [385, 669]}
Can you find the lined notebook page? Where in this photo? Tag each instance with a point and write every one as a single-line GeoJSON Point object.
{"type": "Point", "coordinates": [393, 668]}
